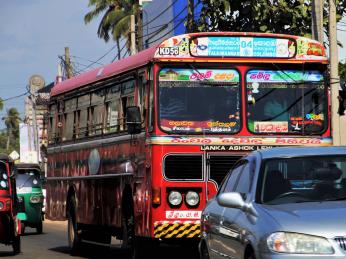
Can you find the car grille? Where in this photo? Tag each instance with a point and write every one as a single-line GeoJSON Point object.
{"type": "Point", "coordinates": [341, 241]}
{"type": "Point", "coordinates": [183, 167]}
{"type": "Point", "coordinates": [219, 166]}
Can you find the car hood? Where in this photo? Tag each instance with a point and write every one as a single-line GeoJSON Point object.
{"type": "Point", "coordinates": [314, 218]}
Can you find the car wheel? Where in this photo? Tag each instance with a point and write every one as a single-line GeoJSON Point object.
{"type": "Point", "coordinates": [203, 251]}
{"type": "Point", "coordinates": [39, 228]}
{"type": "Point", "coordinates": [16, 245]}
{"type": "Point", "coordinates": [251, 255]}
{"type": "Point", "coordinates": [74, 239]}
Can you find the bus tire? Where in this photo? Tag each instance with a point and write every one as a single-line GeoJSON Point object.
{"type": "Point", "coordinates": [16, 245]}
{"type": "Point", "coordinates": [39, 228]}
{"type": "Point", "coordinates": [22, 227]}
{"type": "Point", "coordinates": [74, 239]}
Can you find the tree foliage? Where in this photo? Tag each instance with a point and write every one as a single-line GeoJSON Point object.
{"type": "Point", "coordinates": [115, 21]}
{"type": "Point", "coordinates": [342, 70]}
{"type": "Point", "coordinates": [12, 120]}
{"type": "Point", "coordinates": [276, 16]}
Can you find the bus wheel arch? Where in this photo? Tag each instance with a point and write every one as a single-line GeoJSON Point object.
{"type": "Point", "coordinates": [127, 217]}
{"type": "Point", "coordinates": [249, 252]}
{"type": "Point", "coordinates": [71, 194]}
{"type": "Point", "coordinates": [74, 237]}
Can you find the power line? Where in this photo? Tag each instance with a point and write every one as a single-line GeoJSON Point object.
{"type": "Point", "coordinates": [15, 97]}
{"type": "Point", "coordinates": [127, 41]}
{"type": "Point", "coordinates": [149, 42]}
{"type": "Point", "coordinates": [100, 58]}
{"type": "Point", "coordinates": [160, 13]}
{"type": "Point", "coordinates": [87, 60]}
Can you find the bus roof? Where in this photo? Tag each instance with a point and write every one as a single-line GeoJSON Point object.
{"type": "Point", "coordinates": [214, 46]}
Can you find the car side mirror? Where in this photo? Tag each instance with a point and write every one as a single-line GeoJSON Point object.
{"type": "Point", "coordinates": [231, 200]}
{"type": "Point", "coordinates": [133, 120]}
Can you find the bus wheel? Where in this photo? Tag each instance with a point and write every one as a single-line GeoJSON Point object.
{"type": "Point", "coordinates": [22, 228]}
{"type": "Point", "coordinates": [74, 239]}
{"type": "Point", "coordinates": [39, 228]}
{"type": "Point", "coordinates": [128, 232]}
{"type": "Point", "coordinates": [16, 245]}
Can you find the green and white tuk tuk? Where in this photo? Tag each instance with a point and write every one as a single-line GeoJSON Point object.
{"type": "Point", "coordinates": [29, 190]}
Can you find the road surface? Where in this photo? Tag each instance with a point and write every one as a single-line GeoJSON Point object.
{"type": "Point", "coordinates": [53, 244]}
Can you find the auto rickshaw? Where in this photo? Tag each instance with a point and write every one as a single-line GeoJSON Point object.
{"type": "Point", "coordinates": [9, 223]}
{"type": "Point", "coordinates": [30, 196]}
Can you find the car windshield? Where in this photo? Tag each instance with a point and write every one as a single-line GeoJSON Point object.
{"type": "Point", "coordinates": [28, 178]}
{"type": "Point", "coordinates": [305, 179]}
{"type": "Point", "coordinates": [199, 101]}
{"type": "Point", "coordinates": [3, 177]}
{"type": "Point", "coordinates": [286, 101]}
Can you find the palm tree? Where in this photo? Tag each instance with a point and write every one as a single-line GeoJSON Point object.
{"type": "Point", "coordinates": [11, 120]}
{"type": "Point", "coordinates": [115, 19]}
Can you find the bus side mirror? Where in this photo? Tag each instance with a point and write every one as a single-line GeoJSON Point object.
{"type": "Point", "coordinates": [133, 120]}
{"type": "Point", "coordinates": [342, 102]}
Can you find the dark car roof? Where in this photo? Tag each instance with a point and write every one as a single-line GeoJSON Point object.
{"type": "Point", "coordinates": [28, 166]}
{"type": "Point", "coordinates": [301, 151]}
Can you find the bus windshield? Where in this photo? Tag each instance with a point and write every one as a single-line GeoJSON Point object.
{"type": "Point", "coordinates": [287, 101]}
{"type": "Point", "coordinates": [199, 101]}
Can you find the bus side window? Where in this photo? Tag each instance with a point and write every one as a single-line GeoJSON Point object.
{"type": "Point", "coordinates": [96, 112]}
{"type": "Point", "coordinates": [127, 99]}
{"type": "Point", "coordinates": [52, 124]}
{"type": "Point", "coordinates": [113, 110]}
{"type": "Point", "coordinates": [69, 118]}
{"type": "Point", "coordinates": [151, 102]}
{"type": "Point", "coordinates": [141, 95]}
{"type": "Point", "coordinates": [83, 109]}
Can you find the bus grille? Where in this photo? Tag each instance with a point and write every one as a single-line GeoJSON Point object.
{"type": "Point", "coordinates": [219, 166]}
{"type": "Point", "coordinates": [183, 167]}
{"type": "Point", "coordinates": [341, 241]}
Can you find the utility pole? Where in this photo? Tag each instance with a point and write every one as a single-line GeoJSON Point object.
{"type": "Point", "coordinates": [190, 16]}
{"type": "Point", "coordinates": [317, 20]}
{"type": "Point", "coordinates": [140, 29]}
{"type": "Point", "coordinates": [133, 35]}
{"type": "Point", "coordinates": [334, 76]}
{"type": "Point", "coordinates": [68, 67]}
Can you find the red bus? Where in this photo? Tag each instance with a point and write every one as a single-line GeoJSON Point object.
{"type": "Point", "coordinates": [137, 147]}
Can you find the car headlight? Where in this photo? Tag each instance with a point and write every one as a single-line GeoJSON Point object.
{"type": "Point", "coordinates": [294, 243]}
{"type": "Point", "coordinates": [192, 198]}
{"type": "Point", "coordinates": [175, 198]}
{"type": "Point", "coordinates": [35, 199]}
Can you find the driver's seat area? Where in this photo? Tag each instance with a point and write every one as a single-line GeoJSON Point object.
{"type": "Point", "coordinates": [275, 184]}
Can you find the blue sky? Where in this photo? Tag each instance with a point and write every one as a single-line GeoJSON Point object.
{"type": "Point", "coordinates": [35, 32]}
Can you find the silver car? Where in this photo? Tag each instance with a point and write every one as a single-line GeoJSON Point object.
{"type": "Point", "coordinates": [279, 203]}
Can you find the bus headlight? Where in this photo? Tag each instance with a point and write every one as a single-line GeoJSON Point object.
{"type": "Point", "coordinates": [175, 198]}
{"type": "Point", "coordinates": [35, 199]}
{"type": "Point", "coordinates": [2, 206]}
{"type": "Point", "coordinates": [192, 198]}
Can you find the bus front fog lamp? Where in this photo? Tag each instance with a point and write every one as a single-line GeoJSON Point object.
{"type": "Point", "coordinates": [192, 198]}
{"type": "Point", "coordinates": [295, 243]}
{"type": "Point", "coordinates": [175, 198]}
